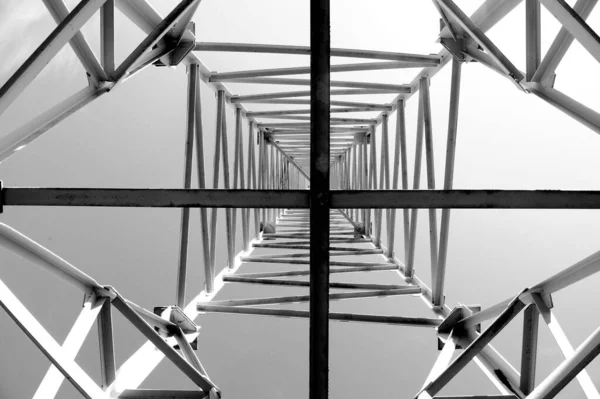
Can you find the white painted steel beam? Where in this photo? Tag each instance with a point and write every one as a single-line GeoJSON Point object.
{"type": "Point", "coordinates": [22, 136]}
{"type": "Point", "coordinates": [305, 50]}
{"type": "Point", "coordinates": [561, 43]}
{"type": "Point", "coordinates": [107, 37]}
{"type": "Point", "coordinates": [565, 346]}
{"type": "Point", "coordinates": [334, 83]}
{"type": "Point", "coordinates": [46, 51]}
{"type": "Point", "coordinates": [365, 66]}
{"type": "Point", "coordinates": [33, 252]}
{"type": "Point", "coordinates": [60, 358]}
{"type": "Point", "coordinates": [153, 37]}
{"type": "Point", "coordinates": [53, 379]}
{"type": "Point", "coordinates": [80, 46]}
{"type": "Point", "coordinates": [576, 25]}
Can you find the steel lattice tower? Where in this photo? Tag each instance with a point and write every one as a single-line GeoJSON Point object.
{"type": "Point", "coordinates": [307, 186]}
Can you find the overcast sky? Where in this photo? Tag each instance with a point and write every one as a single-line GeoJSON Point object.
{"type": "Point", "coordinates": [134, 137]}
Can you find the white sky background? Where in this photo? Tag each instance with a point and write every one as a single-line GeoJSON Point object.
{"type": "Point", "coordinates": [133, 137]}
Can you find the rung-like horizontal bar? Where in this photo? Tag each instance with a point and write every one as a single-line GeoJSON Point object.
{"type": "Point", "coordinates": [306, 298]}
{"type": "Point", "coordinates": [334, 103]}
{"type": "Point", "coordinates": [335, 130]}
{"type": "Point", "coordinates": [369, 251]}
{"type": "Point", "coordinates": [295, 283]}
{"type": "Point", "coordinates": [164, 198]}
{"type": "Point", "coordinates": [293, 94]}
{"type": "Point", "coordinates": [367, 318]}
{"type": "Point", "coordinates": [333, 83]}
{"type": "Point", "coordinates": [307, 262]}
{"type": "Point", "coordinates": [505, 199]}
{"type": "Point", "coordinates": [305, 111]}
{"type": "Point", "coordinates": [306, 125]}
{"type": "Point", "coordinates": [333, 119]}
{"type": "Point", "coordinates": [305, 50]}
{"type": "Point", "coordinates": [364, 66]}
{"type": "Point", "coordinates": [296, 273]}
{"type": "Point", "coordinates": [169, 198]}
{"type": "Point", "coordinates": [293, 245]}
{"type": "Point", "coordinates": [305, 236]}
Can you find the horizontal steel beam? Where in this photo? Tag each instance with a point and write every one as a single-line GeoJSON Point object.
{"type": "Point", "coordinates": [307, 111]}
{"type": "Point", "coordinates": [366, 318]}
{"type": "Point", "coordinates": [364, 66]}
{"type": "Point", "coordinates": [334, 83]}
{"type": "Point", "coordinates": [473, 199]}
{"type": "Point", "coordinates": [334, 103]}
{"type": "Point", "coordinates": [306, 298]}
{"type": "Point", "coordinates": [297, 273]}
{"type": "Point", "coordinates": [305, 50]}
{"type": "Point", "coordinates": [162, 198]}
{"type": "Point", "coordinates": [173, 198]}
{"type": "Point", "coordinates": [241, 278]}
{"type": "Point", "coordinates": [306, 93]}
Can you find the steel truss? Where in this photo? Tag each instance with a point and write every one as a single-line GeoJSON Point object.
{"type": "Point", "coordinates": [337, 216]}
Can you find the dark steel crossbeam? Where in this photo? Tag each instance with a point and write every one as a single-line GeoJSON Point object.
{"type": "Point", "coordinates": [293, 199]}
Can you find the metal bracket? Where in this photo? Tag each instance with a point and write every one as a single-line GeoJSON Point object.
{"type": "Point", "coordinates": [456, 47]}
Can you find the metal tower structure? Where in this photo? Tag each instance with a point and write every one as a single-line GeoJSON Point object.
{"type": "Point", "coordinates": [307, 186]}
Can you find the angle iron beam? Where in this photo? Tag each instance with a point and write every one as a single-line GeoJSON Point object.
{"type": "Point", "coordinates": [366, 318]}
{"type": "Point", "coordinates": [305, 50]}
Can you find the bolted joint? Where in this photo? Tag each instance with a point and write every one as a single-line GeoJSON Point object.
{"type": "Point", "coordinates": [456, 47]}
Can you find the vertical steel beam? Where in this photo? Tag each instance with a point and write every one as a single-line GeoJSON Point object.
{"type": "Point", "coordinates": [236, 165]}
{"type": "Point", "coordinates": [187, 183]}
{"type": "Point", "coordinates": [384, 178]}
{"type": "Point", "coordinates": [271, 178]}
{"type": "Point", "coordinates": [320, 44]}
{"type": "Point", "coordinates": [404, 162]}
{"type": "Point", "coordinates": [252, 174]}
{"type": "Point", "coordinates": [438, 282]}
{"type": "Point", "coordinates": [107, 36]}
{"type": "Point", "coordinates": [367, 184]}
{"type": "Point", "coordinates": [228, 211]}
{"type": "Point", "coordinates": [373, 177]}
{"type": "Point", "coordinates": [533, 41]}
{"type": "Point", "coordinates": [400, 159]}
{"type": "Point", "coordinates": [261, 156]}
{"type": "Point", "coordinates": [354, 152]}
{"type": "Point", "coordinates": [529, 349]}
{"type": "Point", "coordinates": [209, 276]}
{"type": "Point", "coordinates": [410, 259]}
{"type": "Point", "coordinates": [245, 211]}
{"type": "Point", "coordinates": [428, 128]}
{"type": "Point", "coordinates": [365, 179]}
{"type": "Point", "coordinates": [216, 165]}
